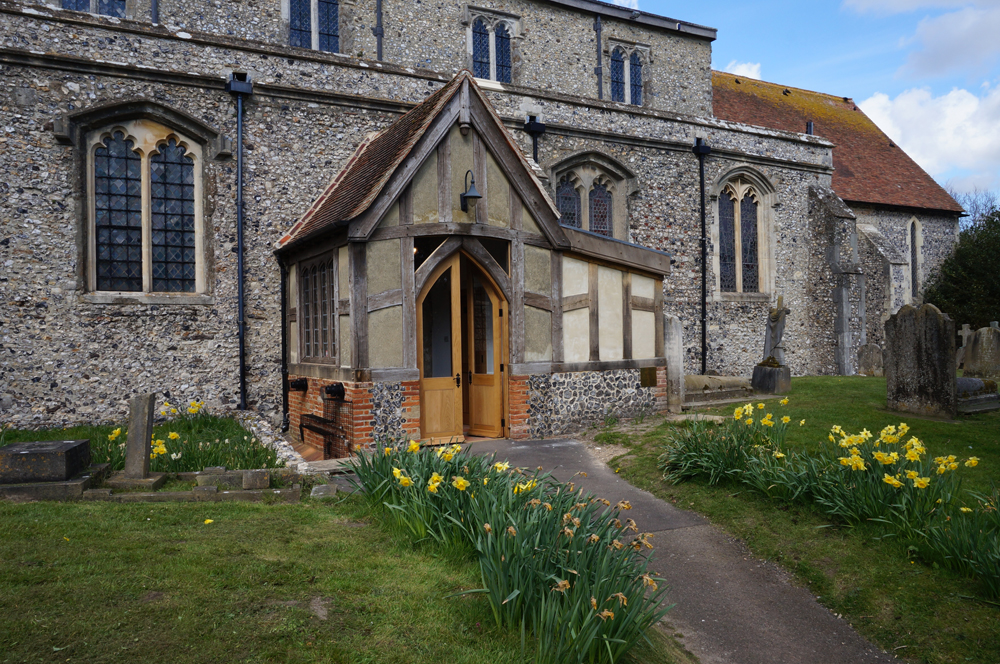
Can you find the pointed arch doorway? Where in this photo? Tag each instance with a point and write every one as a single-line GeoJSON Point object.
{"type": "Point", "coordinates": [461, 353]}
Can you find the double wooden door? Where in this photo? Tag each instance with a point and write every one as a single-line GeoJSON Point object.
{"type": "Point", "coordinates": [461, 346]}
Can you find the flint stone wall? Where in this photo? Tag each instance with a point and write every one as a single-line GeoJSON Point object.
{"type": "Point", "coordinates": [920, 362]}
{"type": "Point", "coordinates": [564, 402]}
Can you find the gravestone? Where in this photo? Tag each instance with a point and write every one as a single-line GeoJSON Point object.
{"type": "Point", "coordinates": [673, 348]}
{"type": "Point", "coordinates": [919, 361]}
{"type": "Point", "coordinates": [982, 356]}
{"type": "Point", "coordinates": [138, 448]}
{"type": "Point", "coordinates": [772, 376]}
{"type": "Point", "coordinates": [43, 461]}
{"type": "Point", "coordinates": [870, 360]}
{"type": "Point", "coordinates": [960, 353]}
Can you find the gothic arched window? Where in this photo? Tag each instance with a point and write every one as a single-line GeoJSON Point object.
{"type": "Point", "coordinates": [600, 210]}
{"type": "Point", "coordinates": [502, 36]}
{"type": "Point", "coordinates": [617, 75]}
{"type": "Point", "coordinates": [568, 202]}
{"type": "Point", "coordinates": [635, 79]}
{"type": "Point", "coordinates": [325, 35]}
{"type": "Point", "coordinates": [480, 50]}
{"type": "Point", "coordinates": [739, 248]}
{"type": "Point", "coordinates": [114, 8]}
{"type": "Point", "coordinates": [118, 215]}
{"type": "Point", "coordinates": [171, 198]}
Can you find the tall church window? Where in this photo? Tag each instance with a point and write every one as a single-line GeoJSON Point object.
{"type": "Point", "coordinates": [480, 50]}
{"type": "Point", "coordinates": [568, 202]}
{"type": "Point", "coordinates": [118, 214]}
{"type": "Point", "coordinates": [173, 231]}
{"type": "Point", "coordinates": [600, 210]}
{"type": "Point", "coordinates": [617, 75]}
{"type": "Point", "coordinates": [635, 79]}
{"type": "Point", "coordinates": [503, 53]}
{"type": "Point", "coordinates": [739, 248]}
{"type": "Point", "coordinates": [144, 211]}
{"type": "Point", "coordinates": [323, 33]}
{"type": "Point", "coordinates": [316, 303]}
{"type": "Point", "coordinates": [114, 8]}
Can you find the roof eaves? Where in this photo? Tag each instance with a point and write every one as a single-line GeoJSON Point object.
{"type": "Point", "coordinates": [641, 17]}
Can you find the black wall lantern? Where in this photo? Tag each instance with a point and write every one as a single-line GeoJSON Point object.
{"type": "Point", "coordinates": [470, 194]}
{"type": "Point", "coordinates": [298, 385]}
{"type": "Point", "coordinates": [335, 391]}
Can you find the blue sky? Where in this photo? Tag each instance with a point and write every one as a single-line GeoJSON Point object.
{"type": "Point", "coordinates": [927, 71]}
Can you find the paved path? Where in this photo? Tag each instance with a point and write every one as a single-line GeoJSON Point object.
{"type": "Point", "coordinates": [731, 608]}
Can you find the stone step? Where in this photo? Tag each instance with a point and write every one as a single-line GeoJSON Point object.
{"type": "Point", "coordinates": [708, 396]}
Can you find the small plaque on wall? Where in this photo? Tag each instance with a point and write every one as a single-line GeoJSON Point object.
{"type": "Point", "coordinates": [647, 377]}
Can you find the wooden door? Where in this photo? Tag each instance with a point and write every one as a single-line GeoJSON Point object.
{"type": "Point", "coordinates": [484, 344]}
{"type": "Point", "coordinates": [439, 355]}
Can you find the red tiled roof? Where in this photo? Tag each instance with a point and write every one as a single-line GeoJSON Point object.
{"type": "Point", "coordinates": [357, 185]}
{"type": "Point", "coordinates": [868, 166]}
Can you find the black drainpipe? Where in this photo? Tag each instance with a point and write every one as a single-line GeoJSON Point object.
{"type": "Point", "coordinates": [599, 69]}
{"type": "Point", "coordinates": [284, 344]}
{"type": "Point", "coordinates": [154, 12]}
{"type": "Point", "coordinates": [239, 84]}
{"type": "Point", "coordinates": [377, 30]}
{"type": "Point", "coordinates": [701, 149]}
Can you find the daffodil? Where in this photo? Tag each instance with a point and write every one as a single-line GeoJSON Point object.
{"type": "Point", "coordinates": [511, 531]}
{"type": "Point", "coordinates": [912, 455]}
{"type": "Point", "coordinates": [784, 402]}
{"type": "Point", "coordinates": [922, 483]}
{"type": "Point", "coordinates": [405, 481]}
{"type": "Point", "coordinates": [647, 580]}
{"type": "Point", "coordinates": [177, 456]}
{"type": "Point", "coordinates": [748, 421]}
{"type": "Point", "coordinates": [965, 509]}
{"type": "Point", "coordinates": [432, 487]}
{"type": "Point", "coordinates": [173, 435]}
{"type": "Point", "coordinates": [388, 451]}
{"type": "Point", "coordinates": [396, 472]}
{"type": "Point", "coordinates": [606, 615]}
{"type": "Point", "coordinates": [173, 411]}
{"type": "Point", "coordinates": [460, 483]}
{"type": "Point", "coordinates": [562, 586]}
{"type": "Point", "coordinates": [738, 413]}
{"type": "Point", "coordinates": [972, 462]}
{"type": "Point", "coordinates": [414, 446]}
{"type": "Point", "coordinates": [501, 467]}
{"type": "Point", "coordinates": [786, 419]}
{"type": "Point", "coordinates": [891, 481]}
{"type": "Point", "coordinates": [779, 455]}
{"type": "Point", "coordinates": [760, 406]}
{"type": "Point", "coordinates": [802, 423]}
{"type": "Point", "coordinates": [912, 474]}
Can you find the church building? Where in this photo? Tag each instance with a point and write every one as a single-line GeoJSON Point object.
{"type": "Point", "coordinates": [461, 220]}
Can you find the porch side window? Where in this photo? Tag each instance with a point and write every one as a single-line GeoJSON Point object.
{"type": "Point", "coordinates": [317, 300]}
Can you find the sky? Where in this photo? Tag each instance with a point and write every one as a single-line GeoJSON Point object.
{"type": "Point", "coordinates": [926, 71]}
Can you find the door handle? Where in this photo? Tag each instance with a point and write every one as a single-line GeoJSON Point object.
{"type": "Point", "coordinates": [470, 378]}
{"type": "Point", "coordinates": [458, 380]}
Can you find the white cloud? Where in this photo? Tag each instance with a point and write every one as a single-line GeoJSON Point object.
{"type": "Point", "coordinates": [745, 69]}
{"type": "Point", "coordinates": [631, 4]}
{"type": "Point", "coordinates": [964, 41]}
{"type": "Point", "coordinates": [955, 132]}
{"type": "Point", "coordinates": [900, 6]}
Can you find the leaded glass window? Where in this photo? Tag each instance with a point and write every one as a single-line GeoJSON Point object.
{"type": "Point", "coordinates": [568, 202]}
{"type": "Point", "coordinates": [635, 79]}
{"type": "Point", "coordinates": [300, 23]}
{"type": "Point", "coordinates": [727, 243]}
{"type": "Point", "coordinates": [111, 8]}
{"type": "Point", "coordinates": [171, 199]}
{"type": "Point", "coordinates": [318, 307]}
{"type": "Point", "coordinates": [617, 75]}
{"type": "Point", "coordinates": [600, 210]}
{"type": "Point", "coordinates": [307, 298]}
{"type": "Point", "coordinates": [748, 240]}
{"type": "Point", "coordinates": [118, 215]}
{"type": "Point", "coordinates": [329, 25]}
{"type": "Point", "coordinates": [480, 50]}
{"type": "Point", "coordinates": [503, 53]}
{"type": "Point", "coordinates": [76, 5]}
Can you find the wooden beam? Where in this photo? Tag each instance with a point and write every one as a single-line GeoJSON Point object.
{"type": "Point", "coordinates": [643, 303]}
{"type": "Point", "coordinates": [538, 301]}
{"type": "Point", "coordinates": [479, 168]}
{"type": "Point", "coordinates": [444, 179]}
{"type": "Point", "coordinates": [445, 249]}
{"type": "Point", "coordinates": [571, 302]}
{"type": "Point", "coordinates": [456, 228]}
{"type": "Point", "coordinates": [649, 261]}
{"type": "Point", "coordinates": [391, 298]}
{"type": "Point", "coordinates": [567, 367]}
{"type": "Point", "coordinates": [409, 304]}
{"type": "Point", "coordinates": [393, 375]}
{"type": "Point", "coordinates": [359, 304]}
{"type": "Point", "coordinates": [658, 316]}
{"type": "Point", "coordinates": [627, 315]}
{"type": "Point", "coordinates": [557, 307]}
{"type": "Point", "coordinates": [595, 322]}
{"type": "Point", "coordinates": [517, 302]}
{"type": "Point", "coordinates": [516, 212]}
{"type": "Point", "coordinates": [488, 263]}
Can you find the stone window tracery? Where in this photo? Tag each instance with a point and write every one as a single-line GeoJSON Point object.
{"type": "Point", "coordinates": [114, 8]}
{"type": "Point", "coordinates": [739, 247]}
{"type": "Point", "coordinates": [626, 62]}
{"type": "Point", "coordinates": [592, 193]}
{"type": "Point", "coordinates": [491, 37]}
{"type": "Point", "coordinates": [144, 211]}
{"type": "Point", "coordinates": [314, 24]}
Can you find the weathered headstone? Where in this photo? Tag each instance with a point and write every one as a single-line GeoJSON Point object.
{"type": "Point", "coordinates": [960, 353]}
{"type": "Point", "coordinates": [982, 357]}
{"type": "Point", "coordinates": [772, 376]}
{"type": "Point", "coordinates": [140, 431]}
{"type": "Point", "coordinates": [775, 331]}
{"type": "Point", "coordinates": [673, 347]}
{"type": "Point", "coordinates": [995, 324]}
{"type": "Point", "coordinates": [870, 360]}
{"type": "Point", "coordinates": [919, 361]}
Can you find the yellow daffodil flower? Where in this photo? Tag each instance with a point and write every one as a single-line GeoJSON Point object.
{"type": "Point", "coordinates": [647, 580]}
{"type": "Point", "coordinates": [460, 483]}
{"type": "Point", "coordinates": [432, 487]}
{"type": "Point", "coordinates": [779, 455]}
{"type": "Point", "coordinates": [405, 481]}
{"type": "Point", "coordinates": [784, 402]}
{"type": "Point", "coordinates": [802, 423]}
{"type": "Point", "coordinates": [922, 483]}
{"type": "Point", "coordinates": [912, 455]}
{"type": "Point", "coordinates": [972, 462]}
{"type": "Point", "coordinates": [891, 481]}
{"type": "Point", "coordinates": [966, 510]}
{"type": "Point", "coordinates": [941, 470]}
{"type": "Point", "coordinates": [173, 435]}
{"type": "Point", "coordinates": [912, 474]}
{"type": "Point", "coordinates": [414, 447]}
{"type": "Point", "coordinates": [738, 414]}
{"type": "Point", "coordinates": [760, 406]}
{"type": "Point", "coordinates": [606, 615]}
{"type": "Point", "coordinates": [748, 421]}
{"type": "Point", "coordinates": [786, 419]}
{"type": "Point", "coordinates": [501, 467]}
{"type": "Point", "coordinates": [396, 472]}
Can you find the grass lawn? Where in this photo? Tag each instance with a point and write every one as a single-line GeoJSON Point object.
{"type": "Point", "coordinates": [917, 612]}
{"type": "Point", "coordinates": [311, 582]}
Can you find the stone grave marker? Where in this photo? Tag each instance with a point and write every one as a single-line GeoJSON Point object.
{"type": "Point", "coordinates": [772, 375]}
{"type": "Point", "coordinates": [138, 448]}
{"type": "Point", "coordinates": [982, 356]}
{"type": "Point", "coordinates": [47, 470]}
{"type": "Point", "coordinates": [919, 361]}
{"type": "Point", "coordinates": [870, 360]}
{"type": "Point", "coordinates": [673, 346]}
{"type": "Point", "coordinates": [960, 353]}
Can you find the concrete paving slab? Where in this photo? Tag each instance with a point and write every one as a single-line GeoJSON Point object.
{"type": "Point", "coordinates": [731, 607]}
